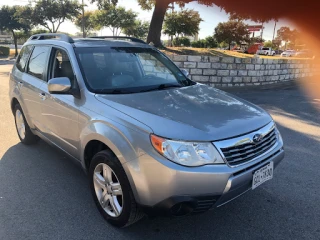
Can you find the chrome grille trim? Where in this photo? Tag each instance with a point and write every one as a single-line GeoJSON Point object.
{"type": "Point", "coordinates": [242, 150]}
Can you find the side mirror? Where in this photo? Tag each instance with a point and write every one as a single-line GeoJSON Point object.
{"type": "Point", "coordinates": [185, 72]}
{"type": "Point", "coordinates": [61, 85]}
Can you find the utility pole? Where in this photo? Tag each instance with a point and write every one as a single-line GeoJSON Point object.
{"type": "Point", "coordinates": [83, 21]}
{"type": "Point", "coordinates": [274, 30]}
{"type": "Point", "coordinates": [262, 30]}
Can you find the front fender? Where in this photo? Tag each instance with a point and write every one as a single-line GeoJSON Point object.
{"type": "Point", "coordinates": [123, 141]}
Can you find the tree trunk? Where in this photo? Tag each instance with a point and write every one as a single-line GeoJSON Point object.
{"type": "Point", "coordinates": [159, 12]}
{"type": "Point", "coordinates": [15, 40]}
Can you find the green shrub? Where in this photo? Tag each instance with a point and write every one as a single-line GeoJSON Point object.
{"type": "Point", "coordinates": [182, 41]}
{"type": "Point", "coordinates": [198, 44]}
{"type": "Point", "coordinates": [4, 51]}
{"type": "Point", "coordinates": [208, 42]}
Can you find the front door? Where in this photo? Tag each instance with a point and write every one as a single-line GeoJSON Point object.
{"type": "Point", "coordinates": [60, 112]}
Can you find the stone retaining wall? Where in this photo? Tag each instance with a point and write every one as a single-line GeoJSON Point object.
{"type": "Point", "coordinates": [230, 71]}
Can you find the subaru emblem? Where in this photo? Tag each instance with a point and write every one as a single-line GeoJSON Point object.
{"type": "Point", "coordinates": [257, 138]}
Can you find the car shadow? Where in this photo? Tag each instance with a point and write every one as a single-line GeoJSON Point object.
{"type": "Point", "coordinates": [44, 195]}
{"type": "Point", "coordinates": [51, 200]}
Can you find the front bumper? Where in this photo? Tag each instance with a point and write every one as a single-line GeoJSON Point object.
{"type": "Point", "coordinates": [164, 188]}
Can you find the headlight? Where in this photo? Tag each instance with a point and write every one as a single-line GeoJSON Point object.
{"type": "Point", "coordinates": [190, 154]}
{"type": "Point", "coordinates": [279, 135]}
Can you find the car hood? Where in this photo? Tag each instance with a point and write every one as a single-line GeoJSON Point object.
{"type": "Point", "coordinates": [196, 112]}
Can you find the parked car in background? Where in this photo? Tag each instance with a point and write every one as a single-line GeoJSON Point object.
{"type": "Point", "coordinates": [288, 53]}
{"type": "Point", "coordinates": [151, 140]}
{"type": "Point", "coordinates": [253, 48]}
{"type": "Point", "coordinates": [238, 49]}
{"type": "Point", "coordinates": [278, 52]}
{"type": "Point", "coordinates": [266, 51]}
{"type": "Point", "coordinates": [305, 53]}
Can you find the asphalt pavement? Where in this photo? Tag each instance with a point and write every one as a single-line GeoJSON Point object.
{"type": "Point", "coordinates": [44, 195]}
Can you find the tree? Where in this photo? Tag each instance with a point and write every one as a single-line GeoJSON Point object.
{"type": "Point", "coordinates": [223, 45]}
{"type": "Point", "coordinates": [284, 33]}
{"type": "Point", "coordinates": [12, 19]}
{"type": "Point", "coordinates": [139, 29]}
{"type": "Point", "coordinates": [52, 13]}
{"type": "Point", "coordinates": [268, 44]}
{"type": "Point", "coordinates": [210, 42]}
{"type": "Point", "coordinates": [105, 4]}
{"type": "Point", "coordinates": [185, 22]}
{"type": "Point", "coordinates": [89, 21]}
{"type": "Point", "coordinates": [160, 8]}
{"type": "Point", "coordinates": [288, 36]}
{"type": "Point", "coordinates": [116, 19]}
{"type": "Point", "coordinates": [231, 31]}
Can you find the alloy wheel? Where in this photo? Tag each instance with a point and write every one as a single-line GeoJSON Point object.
{"type": "Point", "coordinates": [20, 124]}
{"type": "Point", "coordinates": [108, 190]}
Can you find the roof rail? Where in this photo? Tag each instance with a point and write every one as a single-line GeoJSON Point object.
{"type": "Point", "coordinates": [54, 36]}
{"type": "Point", "coordinates": [121, 37]}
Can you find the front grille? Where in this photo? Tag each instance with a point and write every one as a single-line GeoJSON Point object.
{"type": "Point", "coordinates": [236, 155]}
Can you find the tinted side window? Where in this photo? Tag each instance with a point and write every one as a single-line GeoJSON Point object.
{"type": "Point", "coordinates": [38, 61]}
{"type": "Point", "coordinates": [23, 57]}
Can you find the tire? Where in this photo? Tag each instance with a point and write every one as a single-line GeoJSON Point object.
{"type": "Point", "coordinates": [105, 191]}
{"type": "Point", "coordinates": [23, 130]}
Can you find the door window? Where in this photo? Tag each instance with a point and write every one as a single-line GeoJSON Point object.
{"type": "Point", "coordinates": [38, 62]}
{"type": "Point", "coordinates": [61, 66]}
{"type": "Point", "coordinates": [23, 57]}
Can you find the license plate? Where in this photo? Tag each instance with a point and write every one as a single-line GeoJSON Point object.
{"type": "Point", "coordinates": [262, 175]}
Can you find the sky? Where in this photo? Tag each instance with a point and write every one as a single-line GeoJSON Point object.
{"type": "Point", "coordinates": [211, 17]}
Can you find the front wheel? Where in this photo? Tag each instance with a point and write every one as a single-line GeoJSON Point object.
{"type": "Point", "coordinates": [111, 190]}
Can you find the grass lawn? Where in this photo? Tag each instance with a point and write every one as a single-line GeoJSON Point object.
{"type": "Point", "coordinates": [191, 51]}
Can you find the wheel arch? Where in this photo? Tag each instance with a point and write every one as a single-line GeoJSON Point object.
{"type": "Point", "coordinates": [115, 137]}
{"type": "Point", "coordinates": [14, 102]}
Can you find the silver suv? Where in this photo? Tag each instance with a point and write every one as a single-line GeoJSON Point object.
{"type": "Point", "coordinates": [151, 140]}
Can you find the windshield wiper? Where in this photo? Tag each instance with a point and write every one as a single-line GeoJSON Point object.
{"type": "Point", "coordinates": [115, 91]}
{"type": "Point", "coordinates": [162, 87]}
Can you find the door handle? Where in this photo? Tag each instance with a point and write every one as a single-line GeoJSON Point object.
{"type": "Point", "coordinates": [42, 96]}
{"type": "Point", "coordinates": [20, 84]}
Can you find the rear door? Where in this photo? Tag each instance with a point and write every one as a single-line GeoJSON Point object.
{"type": "Point", "coordinates": [34, 72]}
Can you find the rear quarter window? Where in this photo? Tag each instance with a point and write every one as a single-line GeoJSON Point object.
{"type": "Point", "coordinates": [23, 57]}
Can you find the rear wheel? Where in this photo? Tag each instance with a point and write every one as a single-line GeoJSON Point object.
{"type": "Point", "coordinates": [111, 190]}
{"type": "Point", "coordinates": [23, 129]}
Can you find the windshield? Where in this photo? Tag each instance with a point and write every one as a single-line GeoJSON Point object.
{"type": "Point", "coordinates": [265, 48]}
{"type": "Point", "coordinates": [120, 70]}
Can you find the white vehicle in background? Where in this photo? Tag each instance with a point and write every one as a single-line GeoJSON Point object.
{"type": "Point", "coordinates": [304, 53]}
{"type": "Point", "coordinates": [266, 51]}
{"type": "Point", "coordinates": [288, 53]}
